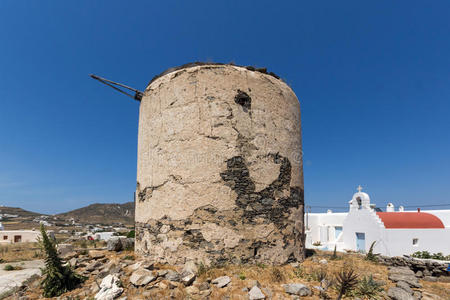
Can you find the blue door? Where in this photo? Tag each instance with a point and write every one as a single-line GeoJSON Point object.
{"type": "Point", "coordinates": [360, 242]}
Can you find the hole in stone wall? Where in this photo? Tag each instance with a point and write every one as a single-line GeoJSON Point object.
{"type": "Point", "coordinates": [255, 251]}
{"type": "Point", "coordinates": [243, 99]}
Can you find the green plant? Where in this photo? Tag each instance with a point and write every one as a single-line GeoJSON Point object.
{"type": "Point", "coordinates": [9, 268]}
{"type": "Point", "coordinates": [346, 281]}
{"type": "Point", "coordinates": [317, 243]}
{"type": "Point", "coordinates": [299, 272]}
{"type": "Point", "coordinates": [242, 276]}
{"type": "Point", "coordinates": [367, 287]}
{"type": "Point", "coordinates": [319, 275]}
{"type": "Point", "coordinates": [57, 279]}
{"type": "Point", "coordinates": [201, 269]}
{"type": "Point", "coordinates": [131, 234]}
{"type": "Point", "coordinates": [261, 265]}
{"type": "Point", "coordinates": [83, 244]}
{"type": "Point", "coordinates": [370, 255]}
{"type": "Point", "coordinates": [334, 256]}
{"type": "Point", "coordinates": [426, 254]}
{"type": "Point", "coordinates": [128, 257]}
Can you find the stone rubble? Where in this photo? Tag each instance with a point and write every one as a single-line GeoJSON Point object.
{"type": "Point", "coordinates": [297, 289]}
{"type": "Point", "coordinates": [109, 288]}
{"type": "Point", "coordinates": [222, 281]}
{"type": "Point", "coordinates": [142, 277]}
{"type": "Point", "coordinates": [256, 294]}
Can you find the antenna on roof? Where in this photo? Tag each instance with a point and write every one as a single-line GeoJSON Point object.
{"type": "Point", "coordinates": [137, 94]}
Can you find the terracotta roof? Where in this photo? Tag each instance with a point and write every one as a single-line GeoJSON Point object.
{"type": "Point", "coordinates": [410, 220]}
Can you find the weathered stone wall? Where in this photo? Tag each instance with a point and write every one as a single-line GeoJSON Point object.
{"type": "Point", "coordinates": [219, 168]}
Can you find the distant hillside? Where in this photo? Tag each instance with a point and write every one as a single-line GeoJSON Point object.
{"type": "Point", "coordinates": [18, 211]}
{"type": "Point", "coordinates": [102, 213]}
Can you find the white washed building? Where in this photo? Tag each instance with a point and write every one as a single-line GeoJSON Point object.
{"type": "Point", "coordinates": [394, 232]}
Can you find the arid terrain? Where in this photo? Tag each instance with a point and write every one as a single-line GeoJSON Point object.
{"type": "Point", "coordinates": [132, 277]}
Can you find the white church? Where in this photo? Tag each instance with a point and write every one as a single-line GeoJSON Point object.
{"type": "Point", "coordinates": [395, 233]}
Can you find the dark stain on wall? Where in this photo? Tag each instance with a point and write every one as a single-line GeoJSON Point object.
{"type": "Point", "coordinates": [244, 100]}
{"type": "Point", "coordinates": [267, 202]}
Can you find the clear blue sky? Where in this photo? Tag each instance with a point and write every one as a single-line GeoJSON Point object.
{"type": "Point", "coordinates": [373, 79]}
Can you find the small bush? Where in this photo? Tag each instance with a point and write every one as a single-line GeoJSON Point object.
{"type": "Point", "coordinates": [317, 243]}
{"type": "Point", "coordinates": [319, 275]}
{"type": "Point", "coordinates": [368, 288]}
{"type": "Point", "coordinates": [131, 234]}
{"type": "Point", "coordinates": [201, 269]}
{"type": "Point", "coordinates": [428, 255]}
{"type": "Point", "coordinates": [346, 281]}
{"type": "Point", "coordinates": [242, 276]}
{"type": "Point", "coordinates": [83, 244]}
{"type": "Point", "coordinates": [9, 268]}
{"type": "Point", "coordinates": [370, 255]}
{"type": "Point", "coordinates": [261, 265]}
{"type": "Point", "coordinates": [277, 275]}
{"type": "Point", "coordinates": [299, 272]}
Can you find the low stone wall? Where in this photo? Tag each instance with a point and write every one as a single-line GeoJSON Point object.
{"type": "Point", "coordinates": [421, 267]}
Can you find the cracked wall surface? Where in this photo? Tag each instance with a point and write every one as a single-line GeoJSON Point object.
{"type": "Point", "coordinates": [220, 176]}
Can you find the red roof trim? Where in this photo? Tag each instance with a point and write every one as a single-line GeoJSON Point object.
{"type": "Point", "coordinates": [410, 220]}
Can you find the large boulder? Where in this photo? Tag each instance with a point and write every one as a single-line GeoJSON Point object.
{"type": "Point", "coordinates": [109, 288]}
{"type": "Point", "coordinates": [142, 277]}
{"type": "Point", "coordinates": [222, 281]}
{"type": "Point", "coordinates": [297, 289]}
{"type": "Point", "coordinates": [396, 293]}
{"type": "Point", "coordinates": [404, 274]}
{"type": "Point", "coordinates": [64, 248]}
{"type": "Point", "coordinates": [119, 243]}
{"type": "Point", "coordinates": [256, 294]}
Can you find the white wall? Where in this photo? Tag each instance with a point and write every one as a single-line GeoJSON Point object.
{"type": "Point", "coordinates": [26, 236]}
{"type": "Point", "coordinates": [364, 221]}
{"type": "Point", "coordinates": [431, 240]}
{"type": "Point", "coordinates": [321, 228]}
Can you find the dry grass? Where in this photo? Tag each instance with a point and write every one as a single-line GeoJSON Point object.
{"type": "Point", "coordinates": [309, 272]}
{"type": "Point", "coordinates": [270, 277]}
{"type": "Point", "coordinates": [441, 289]}
{"type": "Point", "coordinates": [20, 252]}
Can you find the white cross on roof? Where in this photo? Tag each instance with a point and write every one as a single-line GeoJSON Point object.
{"type": "Point", "coordinates": [359, 188]}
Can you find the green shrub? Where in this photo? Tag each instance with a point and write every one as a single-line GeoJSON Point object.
{"type": "Point", "coordinates": [427, 255]}
{"type": "Point", "coordinates": [9, 268]}
{"type": "Point", "coordinates": [370, 255]}
{"type": "Point", "coordinates": [131, 234]}
{"type": "Point", "coordinates": [346, 281]}
{"type": "Point", "coordinates": [57, 279]}
{"type": "Point", "coordinates": [299, 272]}
{"type": "Point", "coordinates": [368, 288]}
{"type": "Point", "coordinates": [242, 276]}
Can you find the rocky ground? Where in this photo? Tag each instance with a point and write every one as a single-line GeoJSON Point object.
{"type": "Point", "coordinates": [122, 275]}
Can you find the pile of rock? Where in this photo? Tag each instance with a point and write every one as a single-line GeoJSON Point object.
{"type": "Point", "coordinates": [406, 284]}
{"type": "Point", "coordinates": [428, 269]}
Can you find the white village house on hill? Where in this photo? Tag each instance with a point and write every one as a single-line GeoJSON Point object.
{"type": "Point", "coordinates": [395, 233]}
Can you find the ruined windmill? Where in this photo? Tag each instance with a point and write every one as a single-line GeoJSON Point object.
{"type": "Point", "coordinates": [219, 174]}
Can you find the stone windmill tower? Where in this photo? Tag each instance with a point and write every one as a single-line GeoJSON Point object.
{"type": "Point", "coordinates": [219, 175]}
